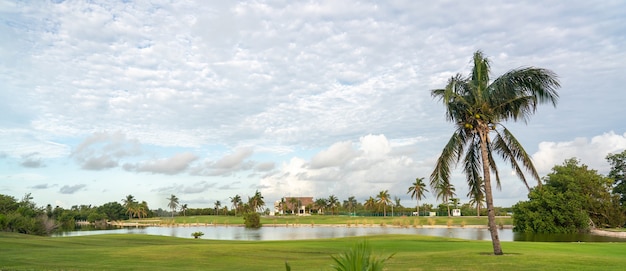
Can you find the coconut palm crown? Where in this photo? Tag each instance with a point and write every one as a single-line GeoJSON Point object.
{"type": "Point", "coordinates": [478, 106]}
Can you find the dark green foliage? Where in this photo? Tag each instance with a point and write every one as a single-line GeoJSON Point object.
{"type": "Point", "coordinates": [618, 174]}
{"type": "Point", "coordinates": [252, 220]}
{"type": "Point", "coordinates": [23, 216]}
{"type": "Point", "coordinates": [548, 211]}
{"type": "Point", "coordinates": [572, 198]}
{"type": "Point", "coordinates": [113, 211]}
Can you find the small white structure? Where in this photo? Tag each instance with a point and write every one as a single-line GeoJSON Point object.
{"type": "Point", "coordinates": [432, 214]}
{"type": "Point", "coordinates": [456, 212]}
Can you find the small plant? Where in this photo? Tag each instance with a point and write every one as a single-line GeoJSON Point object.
{"type": "Point", "coordinates": [359, 258]}
{"type": "Point", "coordinates": [463, 224]}
{"type": "Point", "coordinates": [431, 222]}
{"type": "Point", "coordinates": [449, 223]}
{"type": "Point", "coordinates": [197, 234]}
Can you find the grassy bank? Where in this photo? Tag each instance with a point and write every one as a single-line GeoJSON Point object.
{"type": "Point", "coordinates": [331, 220]}
{"type": "Point", "coordinates": [143, 252]}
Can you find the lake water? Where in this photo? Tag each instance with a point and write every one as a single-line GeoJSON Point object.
{"type": "Point", "coordinates": [321, 232]}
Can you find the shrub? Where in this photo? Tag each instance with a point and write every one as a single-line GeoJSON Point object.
{"type": "Point", "coordinates": [252, 220]}
{"type": "Point", "coordinates": [197, 234]}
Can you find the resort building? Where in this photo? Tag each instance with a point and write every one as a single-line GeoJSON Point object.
{"type": "Point", "coordinates": [293, 205]}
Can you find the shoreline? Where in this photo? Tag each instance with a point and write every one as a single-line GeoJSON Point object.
{"type": "Point", "coordinates": [617, 234]}
{"type": "Point", "coordinates": [599, 232]}
{"type": "Point", "coordinates": [138, 224]}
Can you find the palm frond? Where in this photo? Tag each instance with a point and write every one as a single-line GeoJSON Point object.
{"type": "Point", "coordinates": [450, 155]}
{"type": "Point", "coordinates": [518, 92]}
{"type": "Point", "coordinates": [473, 164]}
{"type": "Point", "coordinates": [512, 151]}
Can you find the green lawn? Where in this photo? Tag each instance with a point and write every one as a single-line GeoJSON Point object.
{"type": "Point", "coordinates": [144, 252]}
{"type": "Point", "coordinates": [334, 220]}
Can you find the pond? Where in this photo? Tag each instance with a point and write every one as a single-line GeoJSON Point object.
{"type": "Point", "coordinates": [321, 232]}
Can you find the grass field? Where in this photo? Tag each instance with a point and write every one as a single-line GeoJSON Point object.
{"type": "Point", "coordinates": [144, 252]}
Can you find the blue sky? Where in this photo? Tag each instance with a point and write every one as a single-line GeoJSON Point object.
{"type": "Point", "coordinates": [209, 99]}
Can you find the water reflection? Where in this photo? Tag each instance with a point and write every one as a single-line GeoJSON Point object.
{"type": "Point", "coordinates": [320, 232]}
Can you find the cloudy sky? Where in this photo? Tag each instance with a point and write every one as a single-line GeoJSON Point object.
{"type": "Point", "coordinates": [209, 99]}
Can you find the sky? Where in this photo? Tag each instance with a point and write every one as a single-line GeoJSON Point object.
{"type": "Point", "coordinates": [206, 100]}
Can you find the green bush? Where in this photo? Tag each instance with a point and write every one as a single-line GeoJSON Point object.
{"type": "Point", "coordinates": [252, 220]}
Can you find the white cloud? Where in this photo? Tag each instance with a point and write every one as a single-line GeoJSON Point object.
{"type": "Point", "coordinates": [590, 152]}
{"type": "Point", "coordinates": [227, 165]}
{"type": "Point", "coordinates": [336, 155]}
{"type": "Point", "coordinates": [169, 166]}
{"type": "Point", "coordinates": [103, 150]}
{"type": "Point", "coordinates": [345, 169]}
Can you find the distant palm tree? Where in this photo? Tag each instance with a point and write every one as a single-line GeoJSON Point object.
{"type": "Point", "coordinates": [476, 195]}
{"type": "Point", "coordinates": [173, 204]}
{"type": "Point", "coordinates": [478, 106]}
{"type": "Point", "coordinates": [129, 205]}
{"type": "Point", "coordinates": [236, 201]}
{"type": "Point", "coordinates": [295, 205]}
{"type": "Point", "coordinates": [445, 191]}
{"type": "Point", "coordinates": [417, 191]}
{"type": "Point", "coordinates": [383, 200]}
{"type": "Point", "coordinates": [370, 204]}
{"type": "Point", "coordinates": [142, 209]}
{"type": "Point", "coordinates": [282, 206]}
{"type": "Point", "coordinates": [332, 204]}
{"type": "Point", "coordinates": [218, 204]}
{"type": "Point", "coordinates": [350, 204]}
{"type": "Point", "coordinates": [320, 204]}
{"type": "Point", "coordinates": [256, 202]}
{"type": "Point", "coordinates": [183, 208]}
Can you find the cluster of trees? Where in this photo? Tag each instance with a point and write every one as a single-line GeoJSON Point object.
{"type": "Point", "coordinates": [24, 216]}
{"type": "Point", "coordinates": [574, 198]}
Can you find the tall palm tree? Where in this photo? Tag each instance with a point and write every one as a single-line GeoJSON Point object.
{"type": "Point", "coordinates": [383, 200]}
{"type": "Point", "coordinates": [332, 203]}
{"type": "Point", "coordinates": [417, 190]}
{"type": "Point", "coordinates": [173, 204]}
{"type": "Point", "coordinates": [445, 191]}
{"type": "Point", "coordinates": [478, 106]}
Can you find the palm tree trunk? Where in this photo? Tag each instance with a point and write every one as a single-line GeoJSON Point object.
{"type": "Point", "coordinates": [491, 213]}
